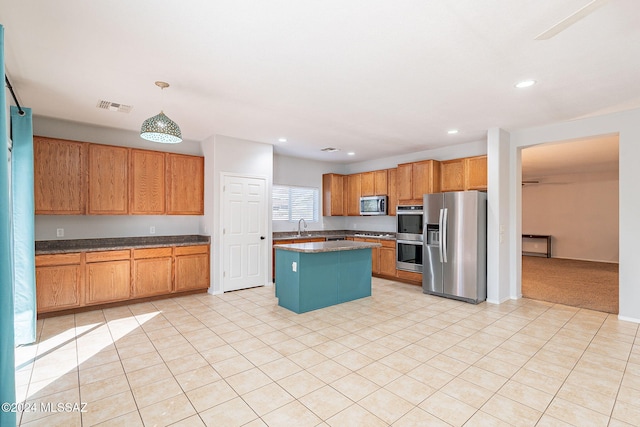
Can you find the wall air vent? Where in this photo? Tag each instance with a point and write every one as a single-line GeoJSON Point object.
{"type": "Point", "coordinates": [114, 106]}
{"type": "Point", "coordinates": [330, 150]}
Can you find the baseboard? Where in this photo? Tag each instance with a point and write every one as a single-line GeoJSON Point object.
{"type": "Point", "coordinates": [584, 259]}
{"type": "Point", "coordinates": [499, 301]}
{"type": "Point", "coordinates": [628, 319]}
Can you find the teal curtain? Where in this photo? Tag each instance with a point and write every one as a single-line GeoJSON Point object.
{"type": "Point", "coordinates": [7, 346]}
{"type": "Point", "coordinates": [24, 269]}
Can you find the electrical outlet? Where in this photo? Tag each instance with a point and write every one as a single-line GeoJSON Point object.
{"type": "Point", "coordinates": [59, 232]}
{"type": "Point", "coordinates": [294, 266]}
{"type": "Point", "coordinates": [152, 230]}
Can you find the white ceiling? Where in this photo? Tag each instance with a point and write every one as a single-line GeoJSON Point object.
{"type": "Point", "coordinates": [372, 76]}
{"type": "Point", "coordinates": [590, 155]}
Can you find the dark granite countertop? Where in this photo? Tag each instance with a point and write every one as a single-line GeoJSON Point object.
{"type": "Point", "coordinates": [115, 243]}
{"type": "Point", "coordinates": [328, 234]}
{"type": "Point", "coordinates": [333, 246]}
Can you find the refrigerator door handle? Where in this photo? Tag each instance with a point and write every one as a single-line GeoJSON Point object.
{"type": "Point", "coordinates": [443, 234]}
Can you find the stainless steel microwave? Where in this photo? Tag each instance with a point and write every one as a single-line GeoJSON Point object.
{"type": "Point", "coordinates": [373, 205]}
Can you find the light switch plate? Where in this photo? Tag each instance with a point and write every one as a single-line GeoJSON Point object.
{"type": "Point", "coordinates": [152, 230]}
{"type": "Point", "coordinates": [59, 232]}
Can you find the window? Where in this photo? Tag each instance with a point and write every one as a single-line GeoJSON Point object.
{"type": "Point", "coordinates": [293, 203]}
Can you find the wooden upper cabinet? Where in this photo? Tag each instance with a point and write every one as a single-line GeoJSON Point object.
{"type": "Point", "coordinates": [416, 179]}
{"type": "Point", "coordinates": [108, 180]}
{"type": "Point", "coordinates": [380, 183]}
{"type": "Point", "coordinates": [392, 190]}
{"type": "Point", "coordinates": [476, 173]}
{"type": "Point", "coordinates": [60, 176]}
{"type": "Point", "coordinates": [403, 182]}
{"type": "Point", "coordinates": [353, 194]}
{"type": "Point", "coordinates": [367, 184]}
{"type": "Point", "coordinates": [146, 182]}
{"type": "Point", "coordinates": [452, 175]}
{"type": "Point", "coordinates": [185, 185]}
{"type": "Point", "coordinates": [332, 194]}
{"type": "Point", "coordinates": [373, 183]}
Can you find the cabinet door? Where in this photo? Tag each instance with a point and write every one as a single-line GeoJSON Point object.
{"type": "Point", "coordinates": [452, 175]}
{"type": "Point", "coordinates": [152, 271]}
{"type": "Point", "coordinates": [108, 281]}
{"type": "Point", "coordinates": [425, 179]}
{"type": "Point", "coordinates": [388, 258]}
{"type": "Point", "coordinates": [393, 194]}
{"type": "Point", "coordinates": [476, 173]}
{"type": "Point", "coordinates": [59, 176]}
{"type": "Point", "coordinates": [146, 182]}
{"type": "Point", "coordinates": [185, 185]}
{"type": "Point", "coordinates": [381, 183]}
{"type": "Point", "coordinates": [332, 194]}
{"type": "Point", "coordinates": [192, 272]}
{"type": "Point", "coordinates": [404, 177]}
{"type": "Point", "coordinates": [353, 206]}
{"type": "Point", "coordinates": [58, 286]}
{"type": "Point", "coordinates": [108, 180]}
{"type": "Point", "coordinates": [367, 184]}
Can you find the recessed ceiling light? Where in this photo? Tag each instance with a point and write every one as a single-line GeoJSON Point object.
{"type": "Point", "coordinates": [452, 131]}
{"type": "Point", "coordinates": [525, 83]}
{"type": "Point", "coordinates": [351, 153]}
{"type": "Point", "coordinates": [282, 139]}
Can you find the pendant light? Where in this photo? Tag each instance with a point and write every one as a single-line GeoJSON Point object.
{"type": "Point", "coordinates": [161, 128]}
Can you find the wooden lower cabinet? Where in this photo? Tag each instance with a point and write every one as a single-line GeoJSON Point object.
{"type": "Point", "coordinates": [191, 268]}
{"type": "Point", "coordinates": [411, 276]}
{"type": "Point", "coordinates": [152, 272]}
{"type": "Point", "coordinates": [70, 281]}
{"type": "Point", "coordinates": [58, 281]}
{"type": "Point", "coordinates": [108, 276]}
{"type": "Point", "coordinates": [388, 258]}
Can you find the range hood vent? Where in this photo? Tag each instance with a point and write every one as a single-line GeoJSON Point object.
{"type": "Point", "coordinates": [114, 106]}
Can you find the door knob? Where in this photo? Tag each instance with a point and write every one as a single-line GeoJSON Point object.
{"type": "Point", "coordinates": [262, 237]}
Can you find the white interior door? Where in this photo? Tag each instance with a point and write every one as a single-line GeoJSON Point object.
{"type": "Point", "coordinates": [244, 227]}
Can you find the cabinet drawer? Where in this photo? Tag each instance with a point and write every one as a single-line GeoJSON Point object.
{"type": "Point", "coordinates": [388, 243]}
{"type": "Point", "coordinates": [57, 259]}
{"type": "Point", "coordinates": [190, 250]}
{"type": "Point", "coordinates": [151, 253]}
{"type": "Point", "coordinates": [410, 275]}
{"type": "Point", "coordinates": [108, 256]}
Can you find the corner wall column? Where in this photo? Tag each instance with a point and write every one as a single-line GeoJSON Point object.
{"type": "Point", "coordinates": [498, 253]}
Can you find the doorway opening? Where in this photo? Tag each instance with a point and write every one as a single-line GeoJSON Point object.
{"type": "Point", "coordinates": [570, 193]}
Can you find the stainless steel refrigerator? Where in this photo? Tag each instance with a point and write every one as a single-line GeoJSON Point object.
{"type": "Point", "coordinates": [455, 245]}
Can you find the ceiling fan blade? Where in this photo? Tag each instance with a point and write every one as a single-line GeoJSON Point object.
{"type": "Point", "coordinates": [571, 19]}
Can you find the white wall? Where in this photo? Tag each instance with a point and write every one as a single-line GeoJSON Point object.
{"type": "Point", "coordinates": [295, 171]}
{"type": "Point", "coordinates": [305, 173]}
{"type": "Point", "coordinates": [222, 155]}
{"type": "Point", "coordinates": [97, 226]}
{"type": "Point", "coordinates": [579, 211]}
{"type": "Point", "coordinates": [626, 125]}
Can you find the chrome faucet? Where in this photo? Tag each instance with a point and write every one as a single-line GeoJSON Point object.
{"type": "Point", "coordinates": [305, 225]}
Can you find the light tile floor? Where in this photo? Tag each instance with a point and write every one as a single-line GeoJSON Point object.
{"type": "Point", "coordinates": [398, 358]}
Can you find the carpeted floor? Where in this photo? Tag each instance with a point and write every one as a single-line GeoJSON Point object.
{"type": "Point", "coordinates": [584, 284]}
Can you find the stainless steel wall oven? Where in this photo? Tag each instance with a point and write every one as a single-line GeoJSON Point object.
{"type": "Point", "coordinates": [409, 237]}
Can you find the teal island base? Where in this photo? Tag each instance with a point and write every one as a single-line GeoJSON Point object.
{"type": "Point", "coordinates": [308, 281]}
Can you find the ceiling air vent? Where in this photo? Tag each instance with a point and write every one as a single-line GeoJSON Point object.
{"type": "Point", "coordinates": [330, 150]}
{"type": "Point", "coordinates": [114, 106]}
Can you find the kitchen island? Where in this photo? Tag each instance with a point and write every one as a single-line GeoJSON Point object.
{"type": "Point", "coordinates": [314, 275]}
